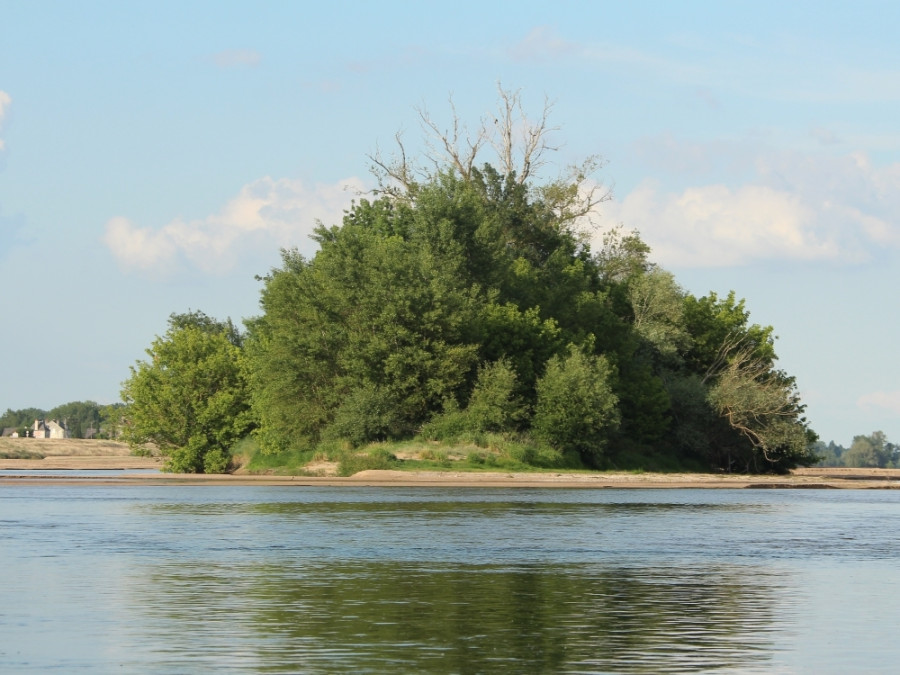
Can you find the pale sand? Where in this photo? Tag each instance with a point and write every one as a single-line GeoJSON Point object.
{"type": "Point", "coordinates": [807, 478]}
{"type": "Point", "coordinates": [114, 457]}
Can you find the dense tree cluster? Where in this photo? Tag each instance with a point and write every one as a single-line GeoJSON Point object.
{"type": "Point", "coordinates": [83, 419]}
{"type": "Point", "coordinates": [473, 306]}
{"type": "Point", "coordinates": [462, 300]}
{"type": "Point", "coordinates": [867, 452]}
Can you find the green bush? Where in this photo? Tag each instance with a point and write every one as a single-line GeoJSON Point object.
{"type": "Point", "coordinates": [448, 427]}
{"type": "Point", "coordinates": [216, 461]}
{"type": "Point", "coordinates": [354, 462]}
{"type": "Point", "coordinates": [288, 462]}
{"type": "Point", "coordinates": [576, 408]}
{"type": "Point", "coordinates": [493, 405]}
{"type": "Point", "coordinates": [367, 415]}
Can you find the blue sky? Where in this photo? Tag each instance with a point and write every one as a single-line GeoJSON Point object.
{"type": "Point", "coordinates": [155, 156]}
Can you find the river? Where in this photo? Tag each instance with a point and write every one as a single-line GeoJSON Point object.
{"type": "Point", "coordinates": [175, 579]}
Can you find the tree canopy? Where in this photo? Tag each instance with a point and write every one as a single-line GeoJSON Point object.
{"type": "Point", "coordinates": [190, 398]}
{"type": "Point", "coordinates": [461, 298]}
{"type": "Point", "coordinates": [395, 321]}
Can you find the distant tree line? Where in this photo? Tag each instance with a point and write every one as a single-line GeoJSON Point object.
{"type": "Point", "coordinates": [872, 451]}
{"type": "Point", "coordinates": [462, 302]}
{"type": "Point", "coordinates": [83, 419]}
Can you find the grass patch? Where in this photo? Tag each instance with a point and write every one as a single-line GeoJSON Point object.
{"type": "Point", "coordinates": [377, 457]}
{"type": "Point", "coordinates": [20, 454]}
{"type": "Point", "coordinates": [288, 463]}
{"type": "Point", "coordinates": [479, 452]}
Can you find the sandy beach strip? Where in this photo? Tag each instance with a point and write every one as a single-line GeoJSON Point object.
{"type": "Point", "coordinates": [119, 470]}
{"type": "Point", "coordinates": [111, 462]}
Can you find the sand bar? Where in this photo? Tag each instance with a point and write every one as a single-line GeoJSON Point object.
{"type": "Point", "coordinates": [118, 473]}
{"type": "Point", "coordinates": [111, 463]}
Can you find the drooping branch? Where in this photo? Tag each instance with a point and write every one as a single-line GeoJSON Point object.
{"type": "Point", "coordinates": [758, 402]}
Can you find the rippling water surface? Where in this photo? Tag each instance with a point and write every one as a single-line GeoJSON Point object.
{"type": "Point", "coordinates": [170, 579]}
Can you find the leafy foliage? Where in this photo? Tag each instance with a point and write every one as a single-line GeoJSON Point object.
{"type": "Point", "coordinates": [463, 302]}
{"type": "Point", "coordinates": [190, 398]}
{"type": "Point", "coordinates": [470, 306]}
{"type": "Point", "coordinates": [576, 407]}
{"type": "Point", "coordinates": [866, 451]}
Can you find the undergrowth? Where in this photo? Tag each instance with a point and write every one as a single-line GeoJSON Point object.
{"type": "Point", "coordinates": [464, 452]}
{"type": "Point", "coordinates": [20, 454]}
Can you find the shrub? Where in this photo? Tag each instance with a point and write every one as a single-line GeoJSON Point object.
{"type": "Point", "coordinates": [354, 462]}
{"type": "Point", "coordinates": [448, 427]}
{"type": "Point", "coordinates": [576, 408]}
{"type": "Point", "coordinates": [367, 415]}
{"type": "Point", "coordinates": [493, 405]}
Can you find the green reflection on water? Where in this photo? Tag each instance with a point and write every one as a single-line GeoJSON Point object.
{"type": "Point", "coordinates": [443, 618]}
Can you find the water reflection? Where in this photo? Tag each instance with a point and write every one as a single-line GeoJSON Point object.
{"type": "Point", "coordinates": [389, 617]}
{"type": "Point", "coordinates": [174, 580]}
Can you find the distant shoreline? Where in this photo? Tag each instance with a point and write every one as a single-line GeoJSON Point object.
{"type": "Point", "coordinates": [113, 459]}
{"type": "Point", "coordinates": [118, 474]}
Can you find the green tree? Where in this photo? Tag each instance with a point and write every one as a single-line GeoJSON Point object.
{"type": "Point", "coordinates": [657, 304]}
{"type": "Point", "coordinates": [763, 406]}
{"type": "Point", "coordinates": [445, 305]}
{"type": "Point", "coordinates": [190, 398]}
{"type": "Point", "coordinates": [494, 405]}
{"type": "Point", "coordinates": [719, 328]}
{"type": "Point", "coordinates": [112, 420]}
{"type": "Point", "coordinates": [21, 419]}
{"type": "Point", "coordinates": [383, 307]}
{"type": "Point", "coordinates": [576, 408]}
{"type": "Point", "coordinates": [79, 417]}
{"type": "Point", "coordinates": [862, 453]}
{"type": "Point", "coordinates": [872, 451]}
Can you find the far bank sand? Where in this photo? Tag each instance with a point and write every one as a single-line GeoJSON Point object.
{"type": "Point", "coordinates": [114, 460]}
{"type": "Point", "coordinates": [119, 474]}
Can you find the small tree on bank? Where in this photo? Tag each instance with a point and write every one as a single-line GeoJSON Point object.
{"type": "Point", "coordinates": [190, 398]}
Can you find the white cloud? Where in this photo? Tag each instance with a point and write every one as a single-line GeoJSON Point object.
{"type": "Point", "coordinates": [237, 58]}
{"type": "Point", "coordinates": [777, 206]}
{"type": "Point", "coordinates": [714, 225]}
{"type": "Point", "coordinates": [265, 213]}
{"type": "Point", "coordinates": [887, 400]}
{"type": "Point", "coordinates": [5, 101]}
{"type": "Point", "coordinates": [542, 42]}
{"type": "Point", "coordinates": [141, 248]}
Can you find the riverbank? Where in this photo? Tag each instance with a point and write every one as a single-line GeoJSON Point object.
{"type": "Point", "coordinates": [20, 472]}
{"type": "Point", "coordinates": [65, 458]}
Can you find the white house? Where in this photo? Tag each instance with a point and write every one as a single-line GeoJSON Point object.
{"type": "Point", "coordinates": [51, 429]}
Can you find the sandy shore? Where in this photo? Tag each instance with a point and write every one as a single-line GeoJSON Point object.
{"type": "Point", "coordinates": [117, 471]}
{"type": "Point", "coordinates": [114, 464]}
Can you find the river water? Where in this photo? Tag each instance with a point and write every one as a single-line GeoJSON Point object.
{"type": "Point", "coordinates": [173, 579]}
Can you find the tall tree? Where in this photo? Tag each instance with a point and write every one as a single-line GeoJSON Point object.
{"type": "Point", "coordinates": [576, 408]}
{"type": "Point", "coordinates": [765, 425]}
{"type": "Point", "coordinates": [463, 285]}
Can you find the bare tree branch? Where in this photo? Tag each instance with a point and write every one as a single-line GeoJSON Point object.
{"type": "Point", "coordinates": [460, 157]}
{"type": "Point", "coordinates": [515, 134]}
{"type": "Point", "coordinates": [522, 149]}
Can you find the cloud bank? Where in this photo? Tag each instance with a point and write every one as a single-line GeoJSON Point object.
{"type": "Point", "coordinates": [881, 400]}
{"type": "Point", "coordinates": [265, 213]}
{"type": "Point", "coordinates": [793, 207]}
